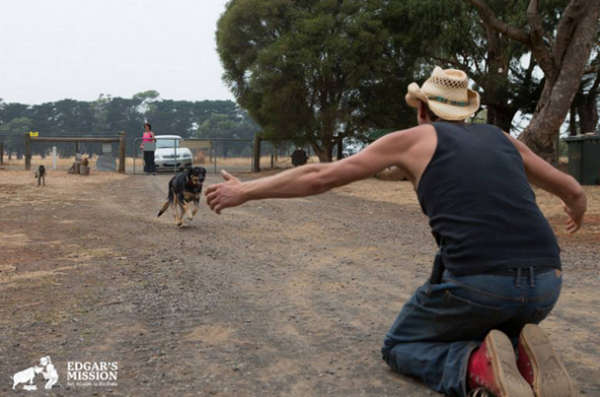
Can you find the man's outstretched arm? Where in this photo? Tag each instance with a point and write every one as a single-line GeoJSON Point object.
{"type": "Point", "coordinates": [313, 179]}
{"type": "Point", "coordinates": [544, 175]}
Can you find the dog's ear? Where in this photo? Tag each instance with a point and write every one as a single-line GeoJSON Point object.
{"type": "Point", "coordinates": [187, 174]}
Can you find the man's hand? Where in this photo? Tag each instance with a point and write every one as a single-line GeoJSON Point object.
{"type": "Point", "coordinates": [575, 213]}
{"type": "Point", "coordinates": [226, 194]}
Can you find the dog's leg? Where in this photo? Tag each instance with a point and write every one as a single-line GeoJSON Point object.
{"type": "Point", "coordinates": [190, 211]}
{"type": "Point", "coordinates": [178, 220]}
{"type": "Point", "coordinates": [183, 208]}
{"type": "Point", "coordinates": [196, 207]}
{"type": "Point", "coordinates": [44, 180]}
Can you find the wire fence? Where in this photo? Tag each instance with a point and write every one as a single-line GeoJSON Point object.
{"type": "Point", "coordinates": [172, 154]}
{"type": "Point", "coordinates": [59, 155]}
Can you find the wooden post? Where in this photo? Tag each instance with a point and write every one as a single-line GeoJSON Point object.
{"type": "Point", "coordinates": [256, 160]}
{"type": "Point", "coordinates": [215, 160]}
{"type": "Point", "coordinates": [27, 151]}
{"type": "Point", "coordinates": [1, 153]}
{"type": "Point", "coordinates": [122, 152]}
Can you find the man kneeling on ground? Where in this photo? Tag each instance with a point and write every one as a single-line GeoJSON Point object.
{"type": "Point", "coordinates": [497, 273]}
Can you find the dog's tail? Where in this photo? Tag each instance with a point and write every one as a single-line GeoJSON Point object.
{"type": "Point", "coordinates": [166, 204]}
{"type": "Point", "coordinates": [163, 208]}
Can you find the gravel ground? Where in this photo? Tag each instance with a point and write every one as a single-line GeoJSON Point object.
{"type": "Point", "coordinates": [272, 298]}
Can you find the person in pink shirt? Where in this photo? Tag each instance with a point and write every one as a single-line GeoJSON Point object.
{"type": "Point", "coordinates": [148, 136]}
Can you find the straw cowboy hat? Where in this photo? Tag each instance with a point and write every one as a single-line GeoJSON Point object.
{"type": "Point", "coordinates": [447, 94]}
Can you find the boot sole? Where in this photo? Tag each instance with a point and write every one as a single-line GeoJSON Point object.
{"type": "Point", "coordinates": [504, 364]}
{"type": "Point", "coordinates": [550, 377]}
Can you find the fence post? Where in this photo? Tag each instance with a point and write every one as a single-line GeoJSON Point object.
{"type": "Point", "coordinates": [53, 157]}
{"type": "Point", "coordinates": [27, 151]}
{"type": "Point", "coordinates": [122, 152]}
{"type": "Point", "coordinates": [1, 153]}
{"type": "Point", "coordinates": [256, 160]}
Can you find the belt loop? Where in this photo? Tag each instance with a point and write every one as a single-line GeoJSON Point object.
{"type": "Point", "coordinates": [531, 277]}
{"type": "Point", "coordinates": [518, 277]}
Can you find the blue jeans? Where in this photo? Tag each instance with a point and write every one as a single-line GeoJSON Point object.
{"type": "Point", "coordinates": [438, 328]}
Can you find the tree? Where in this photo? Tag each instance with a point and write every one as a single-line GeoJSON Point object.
{"type": "Point", "coordinates": [451, 34]}
{"type": "Point", "coordinates": [300, 67]}
{"type": "Point", "coordinates": [562, 54]}
{"type": "Point", "coordinates": [585, 104]}
{"type": "Point", "coordinates": [108, 116]}
{"type": "Point", "coordinates": [14, 129]}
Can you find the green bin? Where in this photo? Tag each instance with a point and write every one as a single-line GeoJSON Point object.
{"type": "Point", "coordinates": [584, 158]}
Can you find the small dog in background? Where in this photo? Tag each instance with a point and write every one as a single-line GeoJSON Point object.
{"type": "Point", "coordinates": [184, 189]}
{"type": "Point", "coordinates": [40, 174]}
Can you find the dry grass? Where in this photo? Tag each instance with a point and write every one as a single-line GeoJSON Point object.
{"type": "Point", "coordinates": [403, 193]}
{"type": "Point", "coordinates": [64, 163]}
{"type": "Point", "coordinates": [56, 179]}
{"type": "Point", "coordinates": [265, 161]}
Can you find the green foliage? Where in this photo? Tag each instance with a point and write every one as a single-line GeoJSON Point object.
{"type": "Point", "coordinates": [14, 131]}
{"type": "Point", "coordinates": [109, 116]}
{"type": "Point", "coordinates": [311, 71]}
{"type": "Point", "coordinates": [319, 70]}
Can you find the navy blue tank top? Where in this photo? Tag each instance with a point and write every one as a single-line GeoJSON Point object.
{"type": "Point", "coordinates": [481, 208]}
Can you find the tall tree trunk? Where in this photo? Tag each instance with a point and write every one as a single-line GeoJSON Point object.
{"type": "Point", "coordinates": [587, 108]}
{"type": "Point", "coordinates": [588, 114]}
{"type": "Point", "coordinates": [576, 32]}
{"type": "Point", "coordinates": [340, 148]}
{"type": "Point", "coordinates": [572, 120]}
{"type": "Point", "coordinates": [500, 116]}
{"type": "Point", "coordinates": [494, 83]}
{"type": "Point", "coordinates": [562, 63]}
{"type": "Point", "coordinates": [324, 152]}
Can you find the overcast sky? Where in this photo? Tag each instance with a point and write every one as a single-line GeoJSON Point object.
{"type": "Point", "coordinates": [51, 50]}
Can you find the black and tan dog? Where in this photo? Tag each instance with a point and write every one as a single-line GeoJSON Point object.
{"type": "Point", "coordinates": [185, 189]}
{"type": "Point", "coordinates": [40, 174]}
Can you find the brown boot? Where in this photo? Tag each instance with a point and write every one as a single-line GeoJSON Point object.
{"type": "Point", "coordinates": [493, 367]}
{"type": "Point", "coordinates": [540, 365]}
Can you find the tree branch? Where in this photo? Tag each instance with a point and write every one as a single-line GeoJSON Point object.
{"type": "Point", "coordinates": [488, 16]}
{"type": "Point", "coordinates": [538, 45]}
{"type": "Point", "coordinates": [566, 26]}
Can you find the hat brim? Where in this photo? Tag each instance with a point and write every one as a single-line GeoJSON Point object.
{"type": "Point", "coordinates": [443, 110]}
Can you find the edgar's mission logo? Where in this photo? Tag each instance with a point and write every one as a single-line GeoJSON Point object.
{"type": "Point", "coordinates": [27, 377]}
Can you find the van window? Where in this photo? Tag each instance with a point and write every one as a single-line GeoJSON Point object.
{"type": "Point", "coordinates": [162, 143]}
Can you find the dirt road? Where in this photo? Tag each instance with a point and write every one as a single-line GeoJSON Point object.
{"type": "Point", "coordinates": [272, 298]}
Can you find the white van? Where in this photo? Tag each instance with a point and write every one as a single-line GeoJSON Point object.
{"type": "Point", "coordinates": [169, 153]}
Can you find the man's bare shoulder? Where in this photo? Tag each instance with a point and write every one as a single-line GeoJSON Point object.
{"type": "Point", "coordinates": [410, 137]}
{"type": "Point", "coordinates": [413, 149]}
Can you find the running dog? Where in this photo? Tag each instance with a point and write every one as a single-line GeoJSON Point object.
{"type": "Point", "coordinates": [40, 174]}
{"type": "Point", "coordinates": [185, 189]}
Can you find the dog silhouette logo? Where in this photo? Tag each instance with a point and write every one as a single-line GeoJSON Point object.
{"type": "Point", "coordinates": [27, 376]}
